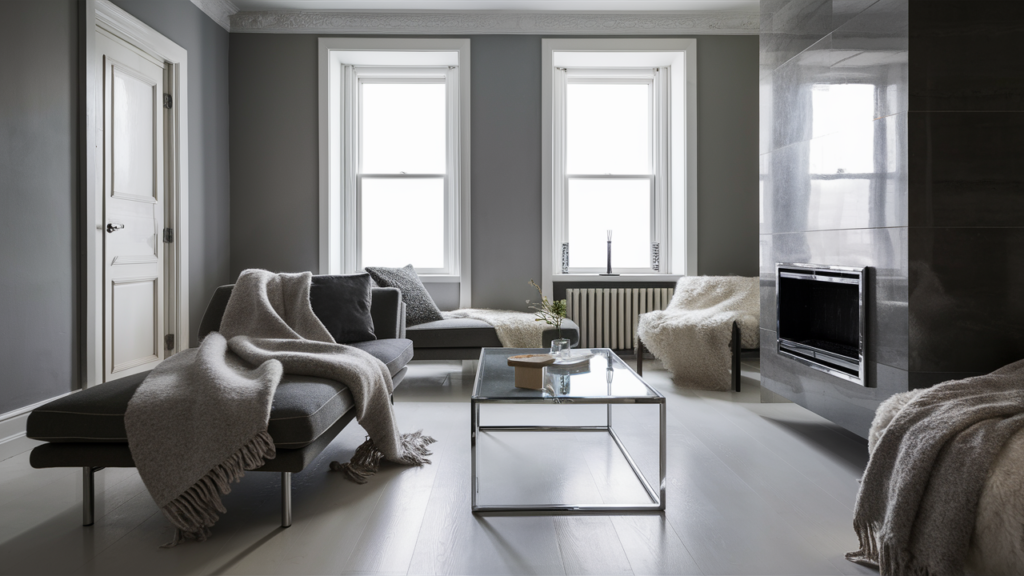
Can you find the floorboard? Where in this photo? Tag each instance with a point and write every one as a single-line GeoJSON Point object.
{"type": "Point", "coordinates": [751, 489]}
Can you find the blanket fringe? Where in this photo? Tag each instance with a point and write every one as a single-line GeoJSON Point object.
{"type": "Point", "coordinates": [882, 555]}
{"type": "Point", "coordinates": [197, 509]}
{"type": "Point", "coordinates": [366, 461]}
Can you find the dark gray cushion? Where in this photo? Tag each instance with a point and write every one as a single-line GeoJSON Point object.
{"type": "Point", "coordinates": [419, 306]}
{"type": "Point", "coordinates": [385, 310]}
{"type": "Point", "coordinates": [342, 303]}
{"type": "Point", "coordinates": [394, 352]}
{"type": "Point", "coordinates": [303, 408]}
{"type": "Point", "coordinates": [453, 333]}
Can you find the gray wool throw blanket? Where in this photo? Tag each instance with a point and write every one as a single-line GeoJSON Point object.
{"type": "Point", "coordinates": [918, 500]}
{"type": "Point", "coordinates": [199, 420]}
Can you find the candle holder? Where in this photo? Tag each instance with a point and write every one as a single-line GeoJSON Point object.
{"type": "Point", "coordinates": [609, 271]}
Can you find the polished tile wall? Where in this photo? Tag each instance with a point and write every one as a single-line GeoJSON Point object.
{"type": "Point", "coordinates": [834, 164]}
{"type": "Point", "coordinates": [891, 136]}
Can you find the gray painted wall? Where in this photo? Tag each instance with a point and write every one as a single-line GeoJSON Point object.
{"type": "Point", "coordinates": [209, 175]}
{"type": "Point", "coordinates": [274, 158]}
{"type": "Point", "coordinates": [38, 208]}
{"type": "Point", "coordinates": [39, 233]}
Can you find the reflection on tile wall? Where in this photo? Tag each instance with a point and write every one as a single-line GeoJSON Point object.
{"type": "Point", "coordinates": [908, 161]}
{"type": "Point", "coordinates": [834, 165]}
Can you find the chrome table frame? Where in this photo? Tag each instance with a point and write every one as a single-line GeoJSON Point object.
{"type": "Point", "coordinates": [657, 495]}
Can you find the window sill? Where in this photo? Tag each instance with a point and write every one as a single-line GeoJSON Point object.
{"type": "Point", "coordinates": [440, 279]}
{"type": "Point", "coordinates": [556, 278]}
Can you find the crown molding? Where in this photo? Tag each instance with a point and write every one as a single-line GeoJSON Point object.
{"type": "Point", "coordinates": [220, 11]}
{"type": "Point", "coordinates": [634, 24]}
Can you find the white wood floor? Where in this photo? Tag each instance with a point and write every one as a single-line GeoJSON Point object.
{"type": "Point", "coordinates": [752, 489]}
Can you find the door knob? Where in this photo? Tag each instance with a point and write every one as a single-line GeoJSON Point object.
{"type": "Point", "coordinates": [114, 228]}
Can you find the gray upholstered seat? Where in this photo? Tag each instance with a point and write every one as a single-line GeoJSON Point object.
{"type": "Point", "coordinates": [304, 407]}
{"type": "Point", "coordinates": [453, 333]}
{"type": "Point", "coordinates": [462, 338]}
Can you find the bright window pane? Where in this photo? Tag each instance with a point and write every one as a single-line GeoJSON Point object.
{"type": "Point", "coordinates": [403, 128]}
{"type": "Point", "coordinates": [403, 222]}
{"type": "Point", "coordinates": [609, 129]}
{"type": "Point", "coordinates": [622, 206]}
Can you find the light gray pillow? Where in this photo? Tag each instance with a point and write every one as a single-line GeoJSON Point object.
{"type": "Point", "coordinates": [419, 306]}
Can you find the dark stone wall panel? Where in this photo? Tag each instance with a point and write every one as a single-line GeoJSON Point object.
{"type": "Point", "coordinates": [967, 55]}
{"type": "Point", "coordinates": [966, 310]}
{"type": "Point", "coordinates": [966, 169]}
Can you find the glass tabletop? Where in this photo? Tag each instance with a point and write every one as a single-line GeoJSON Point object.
{"type": "Point", "coordinates": [603, 377]}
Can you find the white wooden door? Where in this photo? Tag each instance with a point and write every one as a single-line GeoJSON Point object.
{"type": "Point", "coordinates": [133, 208]}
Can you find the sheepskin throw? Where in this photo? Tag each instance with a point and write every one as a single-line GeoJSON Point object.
{"type": "Point", "coordinates": [920, 494]}
{"type": "Point", "coordinates": [199, 420]}
{"type": "Point", "coordinates": [514, 329]}
{"type": "Point", "coordinates": [691, 336]}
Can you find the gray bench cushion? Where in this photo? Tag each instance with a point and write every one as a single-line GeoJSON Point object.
{"type": "Point", "coordinates": [453, 333]}
{"type": "Point", "coordinates": [470, 333]}
{"type": "Point", "coordinates": [304, 407]}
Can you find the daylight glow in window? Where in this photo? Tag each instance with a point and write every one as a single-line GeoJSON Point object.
{"type": "Point", "coordinates": [403, 222]}
{"type": "Point", "coordinates": [620, 205]}
{"type": "Point", "coordinates": [403, 128]}
{"type": "Point", "coordinates": [609, 129]}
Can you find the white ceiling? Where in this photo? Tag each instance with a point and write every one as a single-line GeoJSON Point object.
{"type": "Point", "coordinates": [504, 5]}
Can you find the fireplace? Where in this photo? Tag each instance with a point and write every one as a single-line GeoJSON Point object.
{"type": "Point", "coordinates": [820, 318]}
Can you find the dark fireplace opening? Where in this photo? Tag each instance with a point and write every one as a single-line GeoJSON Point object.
{"type": "Point", "coordinates": [820, 317]}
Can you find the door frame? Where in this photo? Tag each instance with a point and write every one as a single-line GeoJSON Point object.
{"type": "Point", "coordinates": [102, 13]}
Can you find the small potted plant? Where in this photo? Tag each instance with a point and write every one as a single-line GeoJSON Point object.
{"type": "Point", "coordinates": [552, 313]}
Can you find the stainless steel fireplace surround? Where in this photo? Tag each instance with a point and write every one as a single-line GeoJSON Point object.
{"type": "Point", "coordinates": [819, 315]}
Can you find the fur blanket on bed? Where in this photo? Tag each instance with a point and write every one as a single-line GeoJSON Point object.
{"type": "Point", "coordinates": [964, 443]}
{"type": "Point", "coordinates": [199, 420]}
{"type": "Point", "coordinates": [691, 337]}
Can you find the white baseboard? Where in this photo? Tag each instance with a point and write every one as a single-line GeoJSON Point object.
{"type": "Point", "coordinates": [12, 430]}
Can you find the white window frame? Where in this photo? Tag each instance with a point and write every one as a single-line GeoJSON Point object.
{"type": "Point", "coordinates": [677, 151]}
{"type": "Point", "coordinates": [657, 171]}
{"type": "Point", "coordinates": [345, 65]}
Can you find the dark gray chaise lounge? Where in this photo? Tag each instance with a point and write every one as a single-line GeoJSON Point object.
{"type": "Point", "coordinates": [86, 429]}
{"type": "Point", "coordinates": [462, 338]}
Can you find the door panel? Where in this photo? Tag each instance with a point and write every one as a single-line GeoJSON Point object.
{"type": "Point", "coordinates": [133, 124]}
{"type": "Point", "coordinates": [133, 208]}
{"type": "Point", "coordinates": [135, 337]}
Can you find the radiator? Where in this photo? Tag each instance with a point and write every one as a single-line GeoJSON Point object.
{"type": "Point", "coordinates": [607, 317]}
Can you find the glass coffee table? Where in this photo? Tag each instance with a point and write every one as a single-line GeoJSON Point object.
{"type": "Point", "coordinates": [606, 380]}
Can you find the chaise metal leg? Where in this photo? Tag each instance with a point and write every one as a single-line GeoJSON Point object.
{"type": "Point", "coordinates": [88, 496]}
{"type": "Point", "coordinates": [736, 372]}
{"type": "Point", "coordinates": [286, 499]}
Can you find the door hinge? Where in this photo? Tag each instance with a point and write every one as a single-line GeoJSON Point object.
{"type": "Point", "coordinates": [169, 341]}
{"type": "Point", "coordinates": [168, 235]}
{"type": "Point", "coordinates": [168, 101]}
